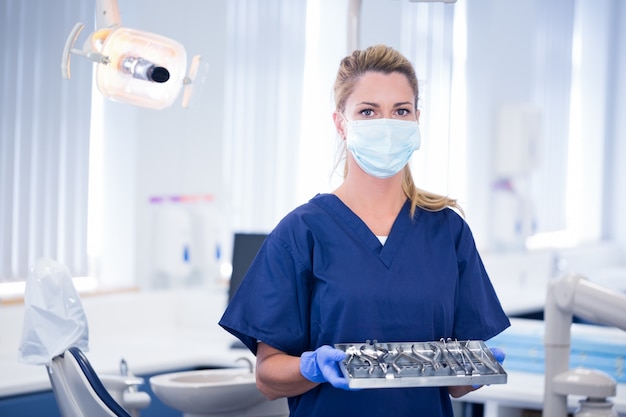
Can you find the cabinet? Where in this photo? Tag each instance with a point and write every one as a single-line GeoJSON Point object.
{"type": "Point", "coordinates": [29, 405]}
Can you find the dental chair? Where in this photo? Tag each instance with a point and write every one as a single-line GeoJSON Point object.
{"type": "Point", "coordinates": [55, 334]}
{"type": "Point", "coordinates": [79, 392]}
{"type": "Point", "coordinates": [78, 389]}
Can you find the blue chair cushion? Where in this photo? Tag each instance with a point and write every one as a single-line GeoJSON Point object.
{"type": "Point", "coordinates": [96, 384]}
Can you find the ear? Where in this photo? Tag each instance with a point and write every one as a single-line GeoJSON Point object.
{"type": "Point", "coordinates": [417, 115]}
{"type": "Point", "coordinates": [339, 124]}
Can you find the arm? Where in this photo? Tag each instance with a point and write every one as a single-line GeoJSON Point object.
{"type": "Point", "coordinates": [278, 374]}
{"type": "Point", "coordinates": [282, 375]}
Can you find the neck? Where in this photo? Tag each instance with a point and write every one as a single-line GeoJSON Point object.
{"type": "Point", "coordinates": [362, 192]}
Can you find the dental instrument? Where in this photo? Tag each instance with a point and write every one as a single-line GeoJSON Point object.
{"type": "Point", "coordinates": [402, 354]}
{"type": "Point", "coordinates": [437, 363]}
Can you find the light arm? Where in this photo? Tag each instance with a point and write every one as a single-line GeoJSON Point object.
{"type": "Point", "coordinates": [107, 14]}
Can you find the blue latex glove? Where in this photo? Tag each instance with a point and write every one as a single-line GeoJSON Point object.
{"type": "Point", "coordinates": [499, 355]}
{"type": "Point", "coordinates": [322, 365]}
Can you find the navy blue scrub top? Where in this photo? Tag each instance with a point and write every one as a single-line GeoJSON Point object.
{"type": "Point", "coordinates": [322, 277]}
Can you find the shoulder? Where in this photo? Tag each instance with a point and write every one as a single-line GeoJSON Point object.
{"type": "Point", "coordinates": [309, 214]}
{"type": "Point", "coordinates": [446, 215]}
{"type": "Point", "coordinates": [299, 227]}
{"type": "Point", "coordinates": [446, 220]}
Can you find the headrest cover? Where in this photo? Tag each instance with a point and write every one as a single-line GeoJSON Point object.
{"type": "Point", "coordinates": [54, 319]}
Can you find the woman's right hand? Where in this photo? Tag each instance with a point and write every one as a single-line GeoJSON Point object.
{"type": "Point", "coordinates": [281, 375]}
{"type": "Point", "coordinates": [322, 365]}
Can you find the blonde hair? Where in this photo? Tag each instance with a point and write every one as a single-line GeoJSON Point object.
{"type": "Point", "coordinates": [381, 58]}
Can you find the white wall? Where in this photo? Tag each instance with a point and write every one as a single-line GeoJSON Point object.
{"type": "Point", "coordinates": [615, 227]}
{"type": "Point", "coordinates": [495, 73]}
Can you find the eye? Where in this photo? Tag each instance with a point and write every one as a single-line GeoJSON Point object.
{"type": "Point", "coordinates": [367, 112]}
{"type": "Point", "coordinates": [403, 112]}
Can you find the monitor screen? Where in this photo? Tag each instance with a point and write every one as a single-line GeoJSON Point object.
{"type": "Point", "coordinates": [245, 248]}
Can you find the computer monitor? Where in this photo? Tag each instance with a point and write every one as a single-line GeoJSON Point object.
{"type": "Point", "coordinates": [245, 248]}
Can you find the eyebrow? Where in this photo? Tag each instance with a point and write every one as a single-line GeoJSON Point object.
{"type": "Point", "coordinates": [402, 103]}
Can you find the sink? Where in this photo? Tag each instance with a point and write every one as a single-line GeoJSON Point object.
{"type": "Point", "coordinates": [210, 391]}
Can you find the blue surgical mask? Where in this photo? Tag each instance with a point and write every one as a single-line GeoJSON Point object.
{"type": "Point", "coordinates": [382, 147]}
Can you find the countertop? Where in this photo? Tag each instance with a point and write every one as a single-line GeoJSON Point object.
{"type": "Point", "coordinates": [178, 350]}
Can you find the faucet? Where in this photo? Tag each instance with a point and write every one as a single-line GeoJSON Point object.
{"type": "Point", "coordinates": [559, 265]}
{"type": "Point", "coordinates": [248, 361]}
{"type": "Point", "coordinates": [123, 389]}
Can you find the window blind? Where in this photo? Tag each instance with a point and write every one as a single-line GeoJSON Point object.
{"type": "Point", "coordinates": [44, 137]}
{"type": "Point", "coordinates": [264, 69]}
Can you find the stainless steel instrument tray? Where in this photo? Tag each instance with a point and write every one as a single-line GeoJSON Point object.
{"type": "Point", "coordinates": [420, 364]}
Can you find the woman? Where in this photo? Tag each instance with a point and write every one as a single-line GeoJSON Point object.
{"type": "Point", "coordinates": [376, 259]}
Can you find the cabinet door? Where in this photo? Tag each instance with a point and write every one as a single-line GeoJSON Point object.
{"type": "Point", "coordinates": [36, 404]}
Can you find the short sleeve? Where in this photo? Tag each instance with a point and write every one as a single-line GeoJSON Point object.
{"type": "Point", "coordinates": [279, 277]}
{"type": "Point", "coordinates": [478, 313]}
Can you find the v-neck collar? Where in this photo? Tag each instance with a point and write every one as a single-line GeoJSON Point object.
{"type": "Point", "coordinates": [399, 229]}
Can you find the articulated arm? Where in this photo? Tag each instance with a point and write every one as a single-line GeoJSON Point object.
{"type": "Point", "coordinates": [567, 296]}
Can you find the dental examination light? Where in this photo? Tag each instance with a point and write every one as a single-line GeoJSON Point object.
{"type": "Point", "coordinates": [132, 66]}
{"type": "Point", "coordinates": [567, 296]}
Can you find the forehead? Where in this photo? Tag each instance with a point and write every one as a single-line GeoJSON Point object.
{"type": "Point", "coordinates": [378, 87]}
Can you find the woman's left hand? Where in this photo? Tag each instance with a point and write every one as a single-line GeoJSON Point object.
{"type": "Point", "coordinates": [461, 390]}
